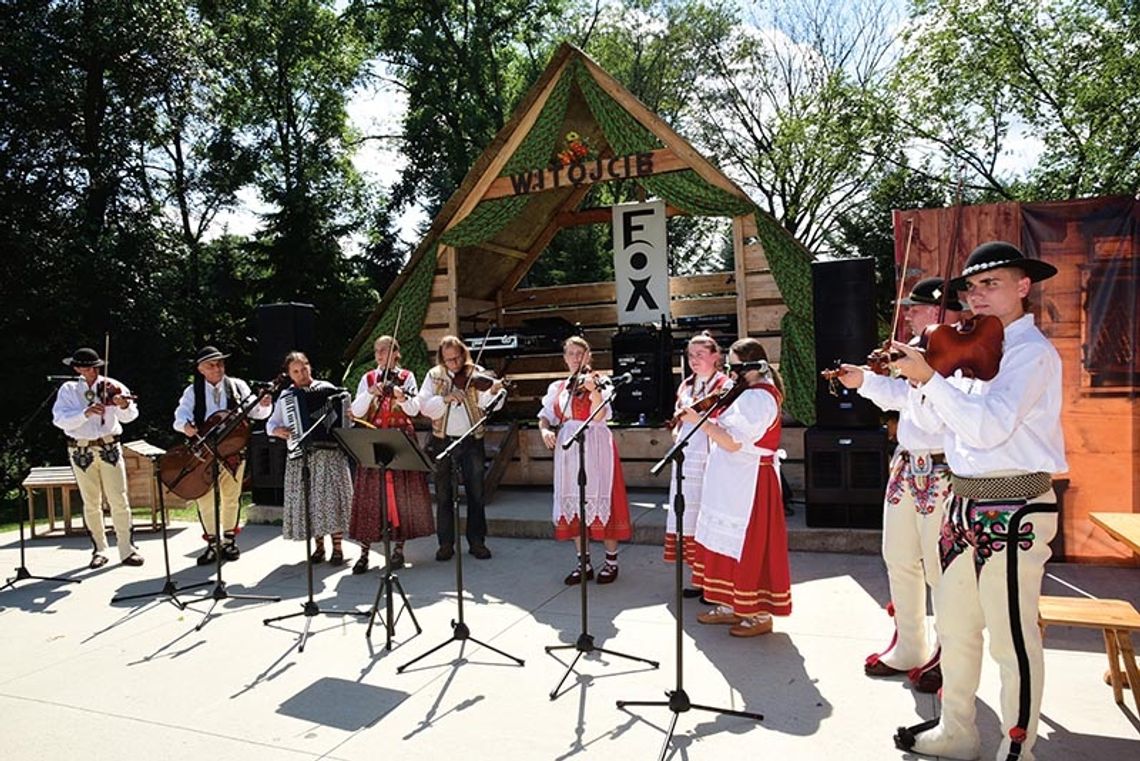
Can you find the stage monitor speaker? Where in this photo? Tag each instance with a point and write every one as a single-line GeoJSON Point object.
{"type": "Point", "coordinates": [645, 353]}
{"type": "Point", "coordinates": [266, 468]}
{"type": "Point", "coordinates": [282, 328]}
{"type": "Point", "coordinates": [845, 477]}
{"type": "Point", "coordinates": [843, 291]}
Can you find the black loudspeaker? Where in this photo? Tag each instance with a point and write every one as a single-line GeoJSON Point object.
{"type": "Point", "coordinates": [266, 467]}
{"type": "Point", "coordinates": [282, 328]}
{"type": "Point", "coordinates": [645, 353]}
{"type": "Point", "coordinates": [846, 477]}
{"type": "Point", "coordinates": [843, 291]}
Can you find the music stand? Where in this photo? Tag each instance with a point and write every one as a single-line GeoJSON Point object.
{"type": "Point", "coordinates": [170, 588]}
{"type": "Point", "coordinates": [211, 440]}
{"type": "Point", "coordinates": [678, 701]}
{"type": "Point", "coordinates": [309, 608]}
{"type": "Point", "coordinates": [585, 643]}
{"type": "Point", "coordinates": [22, 572]}
{"type": "Point", "coordinates": [460, 631]}
{"type": "Point", "coordinates": [385, 449]}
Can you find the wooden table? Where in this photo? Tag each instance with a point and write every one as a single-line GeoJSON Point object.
{"type": "Point", "coordinates": [1122, 526]}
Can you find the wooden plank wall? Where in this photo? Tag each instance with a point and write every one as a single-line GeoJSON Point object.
{"type": "Point", "coordinates": [1102, 430]}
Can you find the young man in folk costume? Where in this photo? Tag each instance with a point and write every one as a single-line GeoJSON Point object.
{"type": "Point", "coordinates": [330, 481]}
{"type": "Point", "coordinates": [742, 539]}
{"type": "Point", "coordinates": [705, 360]}
{"type": "Point", "coordinates": [917, 493]}
{"type": "Point", "coordinates": [389, 405]}
{"type": "Point", "coordinates": [566, 406]}
{"type": "Point", "coordinates": [91, 410]}
{"type": "Point", "coordinates": [1004, 442]}
{"type": "Point", "coordinates": [214, 391]}
{"type": "Point", "coordinates": [449, 397]}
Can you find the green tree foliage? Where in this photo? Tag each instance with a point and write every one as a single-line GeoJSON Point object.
{"type": "Point", "coordinates": [462, 66]}
{"type": "Point", "coordinates": [128, 127]}
{"type": "Point", "coordinates": [978, 77]}
{"type": "Point", "coordinates": [795, 107]}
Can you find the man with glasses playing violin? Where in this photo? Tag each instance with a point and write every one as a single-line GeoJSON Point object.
{"type": "Point", "coordinates": [1003, 444]}
{"type": "Point", "coordinates": [213, 391]}
{"type": "Point", "coordinates": [916, 497]}
{"type": "Point", "coordinates": [91, 410]}
{"type": "Point", "coordinates": [455, 396]}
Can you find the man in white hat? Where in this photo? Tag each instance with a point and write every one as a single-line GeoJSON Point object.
{"type": "Point", "coordinates": [91, 410]}
{"type": "Point", "coordinates": [916, 497]}
{"type": "Point", "coordinates": [213, 391]}
{"type": "Point", "coordinates": [1003, 445]}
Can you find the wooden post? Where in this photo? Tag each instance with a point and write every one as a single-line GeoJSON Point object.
{"type": "Point", "coordinates": [741, 276]}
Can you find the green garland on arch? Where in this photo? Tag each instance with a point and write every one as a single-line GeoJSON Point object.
{"type": "Point", "coordinates": [414, 296]}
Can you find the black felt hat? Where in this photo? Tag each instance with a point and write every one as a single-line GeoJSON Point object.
{"type": "Point", "coordinates": [997, 254]}
{"type": "Point", "coordinates": [84, 357]}
{"type": "Point", "coordinates": [928, 291]}
{"type": "Point", "coordinates": [208, 353]}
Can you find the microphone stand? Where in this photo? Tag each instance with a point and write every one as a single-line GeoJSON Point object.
{"type": "Point", "coordinates": [585, 643]}
{"type": "Point", "coordinates": [679, 701]}
{"type": "Point", "coordinates": [309, 608]}
{"type": "Point", "coordinates": [170, 588]}
{"type": "Point", "coordinates": [460, 631]}
{"type": "Point", "coordinates": [211, 440]}
{"type": "Point", "coordinates": [22, 572]}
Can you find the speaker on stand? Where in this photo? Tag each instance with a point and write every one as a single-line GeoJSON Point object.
{"type": "Point", "coordinates": [281, 328]}
{"type": "Point", "coordinates": [847, 452]}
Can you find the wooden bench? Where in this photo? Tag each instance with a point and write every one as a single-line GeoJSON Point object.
{"type": "Point", "coordinates": [1117, 619]}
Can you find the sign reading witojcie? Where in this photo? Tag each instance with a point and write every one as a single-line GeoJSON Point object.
{"type": "Point", "coordinates": [641, 262]}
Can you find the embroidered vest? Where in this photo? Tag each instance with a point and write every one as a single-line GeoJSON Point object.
{"type": "Point", "coordinates": [441, 385]}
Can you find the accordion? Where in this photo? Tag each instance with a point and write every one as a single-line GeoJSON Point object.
{"type": "Point", "coordinates": [304, 407]}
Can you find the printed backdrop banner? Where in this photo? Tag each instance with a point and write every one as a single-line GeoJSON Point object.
{"type": "Point", "coordinates": [641, 263]}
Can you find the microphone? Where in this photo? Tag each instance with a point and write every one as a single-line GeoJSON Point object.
{"type": "Point", "coordinates": [60, 378]}
{"type": "Point", "coordinates": [740, 367]}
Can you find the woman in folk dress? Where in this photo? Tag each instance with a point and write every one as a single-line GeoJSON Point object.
{"type": "Point", "coordinates": [705, 361]}
{"type": "Point", "coordinates": [566, 405]}
{"type": "Point", "coordinates": [330, 483]}
{"type": "Point", "coordinates": [742, 540]}
{"type": "Point", "coordinates": [409, 501]}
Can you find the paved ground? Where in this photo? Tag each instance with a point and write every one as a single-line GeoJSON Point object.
{"type": "Point", "coordinates": [83, 678]}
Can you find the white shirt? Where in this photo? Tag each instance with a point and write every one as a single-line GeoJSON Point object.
{"type": "Point", "coordinates": [435, 406]}
{"type": "Point", "coordinates": [1011, 423]}
{"type": "Point", "coordinates": [363, 399]}
{"type": "Point", "coordinates": [71, 401]}
{"type": "Point", "coordinates": [216, 399]}
{"type": "Point", "coordinates": [897, 394]}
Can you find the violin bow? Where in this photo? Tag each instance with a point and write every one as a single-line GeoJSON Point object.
{"type": "Point", "coordinates": [955, 243]}
{"type": "Point", "coordinates": [902, 278]}
{"type": "Point", "coordinates": [106, 370]}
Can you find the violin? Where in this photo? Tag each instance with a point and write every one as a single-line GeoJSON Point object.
{"type": "Point", "coordinates": [973, 346]}
{"type": "Point", "coordinates": [480, 380]}
{"type": "Point", "coordinates": [107, 391]}
{"type": "Point", "coordinates": [717, 400]}
{"type": "Point", "coordinates": [577, 383]}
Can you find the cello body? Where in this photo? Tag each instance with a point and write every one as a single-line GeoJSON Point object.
{"type": "Point", "coordinates": [188, 469]}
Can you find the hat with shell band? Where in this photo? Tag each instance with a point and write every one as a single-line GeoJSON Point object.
{"type": "Point", "coordinates": [997, 254]}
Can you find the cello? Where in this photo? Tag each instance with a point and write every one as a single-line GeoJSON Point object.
{"type": "Point", "coordinates": [188, 469]}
